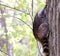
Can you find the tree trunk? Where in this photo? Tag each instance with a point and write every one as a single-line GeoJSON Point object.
{"type": "Point", "coordinates": [53, 15]}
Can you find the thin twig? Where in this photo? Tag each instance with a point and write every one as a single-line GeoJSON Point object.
{"type": "Point", "coordinates": [32, 11]}
{"type": "Point", "coordinates": [23, 22]}
{"type": "Point", "coordinates": [3, 52]}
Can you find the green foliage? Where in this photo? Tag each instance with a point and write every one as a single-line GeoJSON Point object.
{"type": "Point", "coordinates": [18, 23]}
{"type": "Point", "coordinates": [4, 48]}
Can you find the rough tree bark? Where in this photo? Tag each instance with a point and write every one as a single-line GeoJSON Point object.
{"type": "Point", "coordinates": [53, 14]}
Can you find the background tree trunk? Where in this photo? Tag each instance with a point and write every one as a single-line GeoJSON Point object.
{"type": "Point", "coordinates": [53, 14]}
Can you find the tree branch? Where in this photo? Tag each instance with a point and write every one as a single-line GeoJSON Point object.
{"type": "Point", "coordinates": [15, 9]}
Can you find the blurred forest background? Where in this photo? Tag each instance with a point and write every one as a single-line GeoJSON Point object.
{"type": "Point", "coordinates": [16, 18]}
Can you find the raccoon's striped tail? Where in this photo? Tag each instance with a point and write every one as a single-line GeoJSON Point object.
{"type": "Point", "coordinates": [46, 46]}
